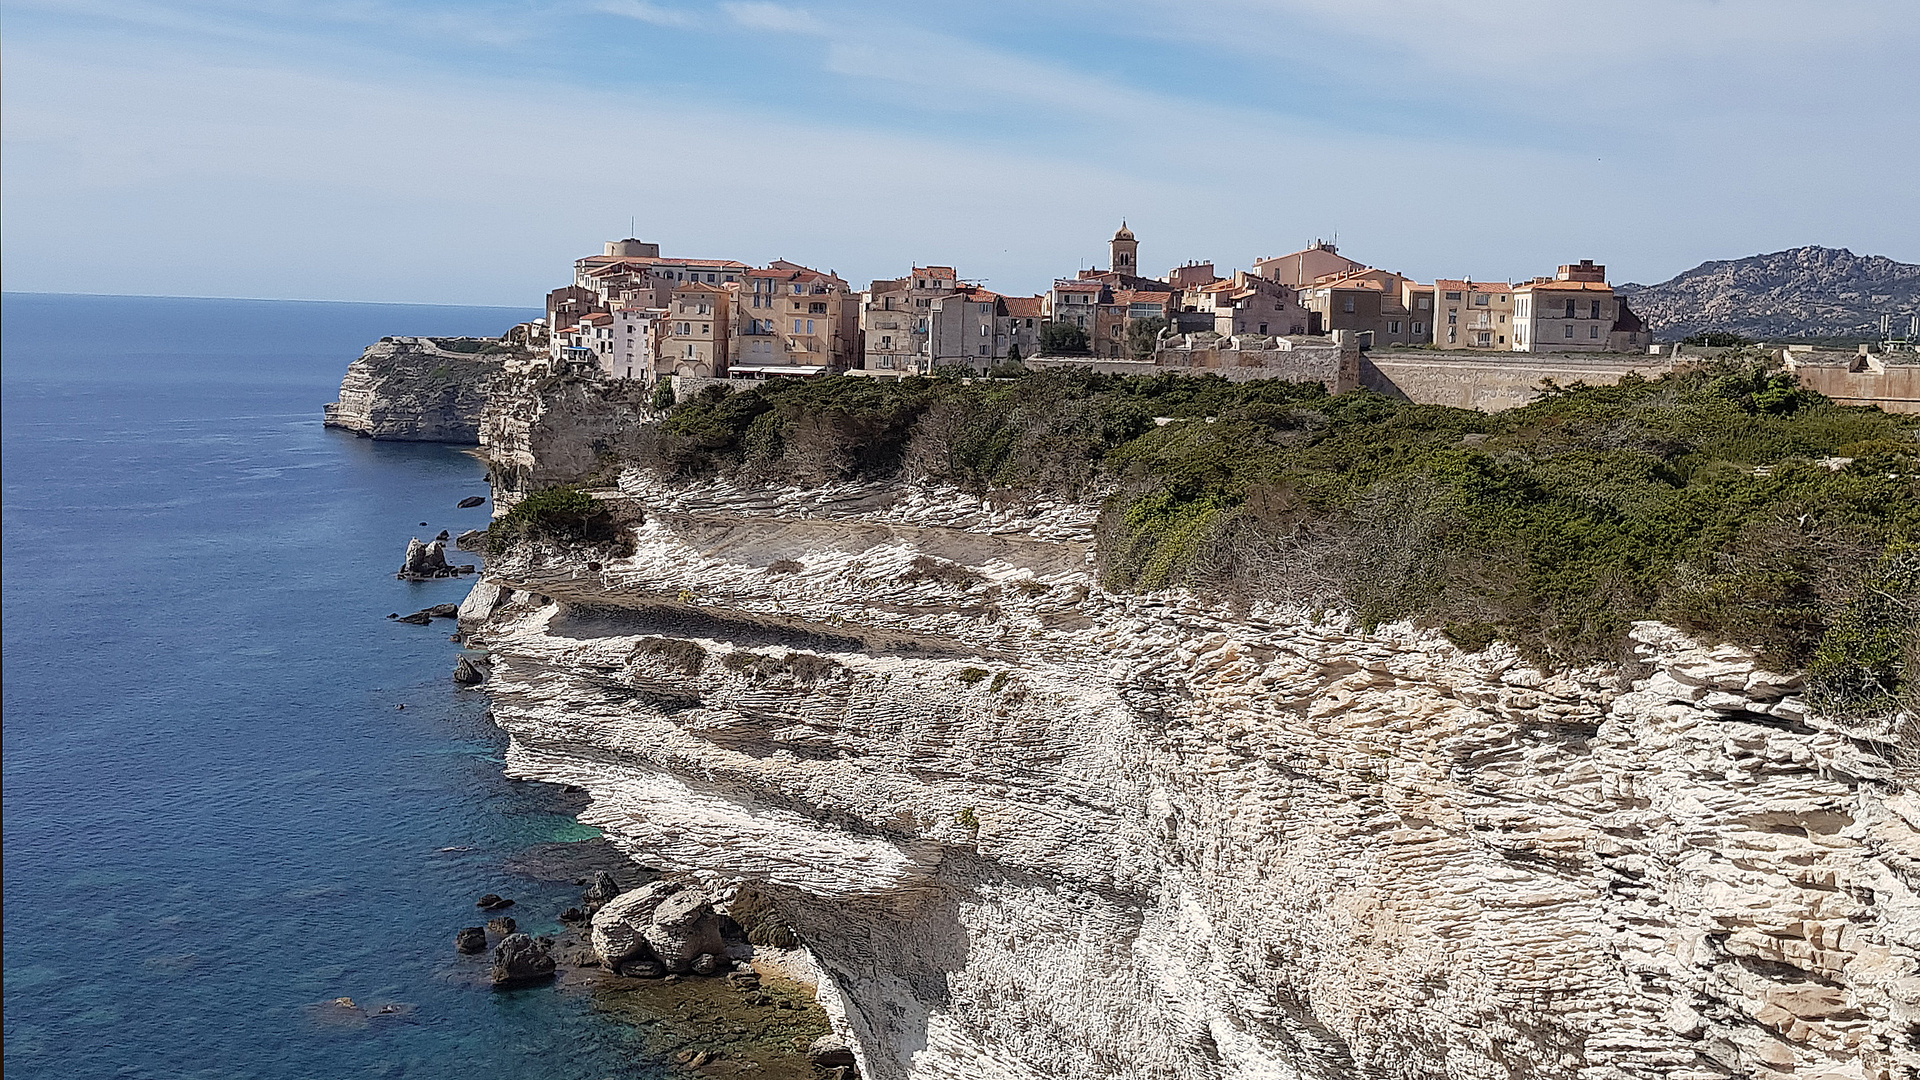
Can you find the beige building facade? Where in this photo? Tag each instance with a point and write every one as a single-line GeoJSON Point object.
{"type": "Point", "coordinates": [694, 335]}
{"type": "Point", "coordinates": [1473, 314]}
{"type": "Point", "coordinates": [1302, 268]}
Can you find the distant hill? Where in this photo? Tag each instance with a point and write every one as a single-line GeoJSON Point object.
{"type": "Point", "coordinates": [1808, 292]}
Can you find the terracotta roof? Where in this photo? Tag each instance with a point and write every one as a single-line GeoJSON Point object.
{"type": "Point", "coordinates": [1141, 296]}
{"type": "Point", "coordinates": [934, 271]}
{"type": "Point", "coordinates": [597, 319]}
{"type": "Point", "coordinates": [699, 286]}
{"type": "Point", "coordinates": [1452, 285]}
{"type": "Point", "coordinates": [641, 260]}
{"type": "Point", "coordinates": [1024, 307]}
{"type": "Point", "coordinates": [1565, 286]}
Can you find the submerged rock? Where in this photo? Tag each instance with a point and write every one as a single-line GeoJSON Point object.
{"type": "Point", "coordinates": [493, 902]}
{"type": "Point", "coordinates": [520, 959]}
{"type": "Point", "coordinates": [503, 925]}
{"type": "Point", "coordinates": [471, 501]}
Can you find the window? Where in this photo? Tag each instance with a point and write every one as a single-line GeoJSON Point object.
{"type": "Point", "coordinates": [1503, 339]}
{"type": "Point", "coordinates": [1570, 315]}
{"type": "Point", "coordinates": [1029, 324]}
{"type": "Point", "coordinates": [1347, 305]}
{"type": "Point", "coordinates": [984, 308]}
{"type": "Point", "coordinates": [983, 330]}
{"type": "Point", "coordinates": [1450, 335]}
{"type": "Point", "coordinates": [1480, 299]}
{"type": "Point", "coordinates": [983, 350]}
{"type": "Point", "coordinates": [1569, 329]}
{"type": "Point", "coordinates": [798, 288]}
{"type": "Point", "coordinates": [796, 326]}
{"type": "Point", "coordinates": [1453, 296]}
{"type": "Point", "coordinates": [809, 326]}
{"type": "Point", "coordinates": [1263, 328]}
{"type": "Point", "coordinates": [1425, 303]}
{"type": "Point", "coordinates": [1418, 327]}
{"type": "Point", "coordinates": [1483, 339]}
{"type": "Point", "coordinates": [1393, 326]}
{"type": "Point", "coordinates": [1453, 317]}
{"type": "Point", "coordinates": [886, 342]}
{"type": "Point", "coordinates": [1593, 330]}
{"type": "Point", "coordinates": [816, 309]}
{"type": "Point", "coordinates": [1596, 310]}
{"type": "Point", "coordinates": [709, 277]}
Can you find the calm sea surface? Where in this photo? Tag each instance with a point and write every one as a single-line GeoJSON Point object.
{"type": "Point", "coordinates": [216, 818]}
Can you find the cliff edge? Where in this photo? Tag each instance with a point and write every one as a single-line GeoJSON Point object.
{"type": "Point", "coordinates": [1032, 829]}
{"type": "Point", "coordinates": [412, 389]}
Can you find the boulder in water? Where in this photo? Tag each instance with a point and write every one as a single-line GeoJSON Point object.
{"type": "Point", "coordinates": [503, 925]}
{"type": "Point", "coordinates": [471, 501]}
{"type": "Point", "coordinates": [672, 918]}
{"type": "Point", "coordinates": [467, 673]}
{"type": "Point", "coordinates": [444, 536]}
{"type": "Point", "coordinates": [493, 902]}
{"type": "Point", "coordinates": [520, 959]}
{"type": "Point", "coordinates": [428, 560]}
{"type": "Point", "coordinates": [418, 618]}
{"type": "Point", "coordinates": [471, 939]}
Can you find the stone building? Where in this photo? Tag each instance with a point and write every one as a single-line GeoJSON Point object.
{"type": "Point", "coordinates": [1576, 310]}
{"type": "Point", "coordinates": [634, 342]}
{"type": "Point", "coordinates": [894, 319]}
{"type": "Point", "coordinates": [1089, 305]}
{"type": "Point", "coordinates": [1248, 304]}
{"type": "Point", "coordinates": [790, 319]}
{"type": "Point", "coordinates": [694, 335]}
{"type": "Point", "coordinates": [1472, 314]}
{"type": "Point", "coordinates": [1304, 267]}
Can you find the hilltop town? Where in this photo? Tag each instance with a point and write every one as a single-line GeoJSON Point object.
{"type": "Point", "coordinates": [635, 314]}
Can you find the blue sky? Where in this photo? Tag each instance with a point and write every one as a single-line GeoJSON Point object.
{"type": "Point", "coordinates": [467, 152]}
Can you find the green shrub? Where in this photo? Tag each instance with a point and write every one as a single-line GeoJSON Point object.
{"type": "Point", "coordinates": [972, 676]}
{"type": "Point", "coordinates": [566, 514]}
{"type": "Point", "coordinates": [1867, 664]}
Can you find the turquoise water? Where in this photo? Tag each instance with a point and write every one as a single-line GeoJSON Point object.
{"type": "Point", "coordinates": [216, 817]}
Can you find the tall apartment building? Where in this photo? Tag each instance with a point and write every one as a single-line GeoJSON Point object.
{"type": "Point", "coordinates": [694, 335]}
{"type": "Point", "coordinates": [894, 319]}
{"type": "Point", "coordinates": [790, 319]}
{"type": "Point", "coordinates": [1090, 305]}
{"type": "Point", "coordinates": [635, 345]}
{"type": "Point", "coordinates": [1473, 314]}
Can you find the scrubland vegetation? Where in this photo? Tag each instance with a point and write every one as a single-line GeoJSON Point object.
{"type": "Point", "coordinates": [1724, 500]}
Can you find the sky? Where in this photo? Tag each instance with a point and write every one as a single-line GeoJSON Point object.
{"type": "Point", "coordinates": [467, 151]}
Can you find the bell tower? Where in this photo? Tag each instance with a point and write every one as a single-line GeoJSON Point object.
{"type": "Point", "coordinates": [1125, 251]}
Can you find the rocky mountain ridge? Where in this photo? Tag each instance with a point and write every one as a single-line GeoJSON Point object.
{"type": "Point", "coordinates": [1806, 292]}
{"type": "Point", "coordinates": [1028, 828]}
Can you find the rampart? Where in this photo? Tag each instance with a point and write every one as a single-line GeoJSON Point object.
{"type": "Point", "coordinates": [1494, 382]}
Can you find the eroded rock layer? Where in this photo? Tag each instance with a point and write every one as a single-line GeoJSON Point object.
{"type": "Point", "coordinates": [1031, 829]}
{"type": "Point", "coordinates": [411, 390]}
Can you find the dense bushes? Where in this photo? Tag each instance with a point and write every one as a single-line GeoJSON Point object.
{"type": "Point", "coordinates": [567, 515]}
{"type": "Point", "coordinates": [1713, 498]}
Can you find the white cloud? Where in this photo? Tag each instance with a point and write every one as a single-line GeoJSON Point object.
{"type": "Point", "coordinates": [640, 11]}
{"type": "Point", "coordinates": [775, 18]}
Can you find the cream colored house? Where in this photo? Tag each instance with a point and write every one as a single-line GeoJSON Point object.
{"type": "Point", "coordinates": [791, 319]}
{"type": "Point", "coordinates": [694, 335]}
{"type": "Point", "coordinates": [894, 319]}
{"type": "Point", "coordinates": [1304, 267]}
{"type": "Point", "coordinates": [1473, 314]}
{"type": "Point", "coordinates": [1576, 310]}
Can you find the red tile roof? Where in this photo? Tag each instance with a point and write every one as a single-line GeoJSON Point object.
{"type": "Point", "coordinates": [1024, 307]}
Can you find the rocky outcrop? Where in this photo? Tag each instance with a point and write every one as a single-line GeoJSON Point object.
{"type": "Point", "coordinates": [670, 922]}
{"type": "Point", "coordinates": [520, 959]}
{"type": "Point", "coordinates": [1027, 828]}
{"type": "Point", "coordinates": [541, 430]}
{"type": "Point", "coordinates": [1802, 292]}
{"type": "Point", "coordinates": [409, 389]}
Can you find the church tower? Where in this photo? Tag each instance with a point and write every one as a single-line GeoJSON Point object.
{"type": "Point", "coordinates": [1125, 252]}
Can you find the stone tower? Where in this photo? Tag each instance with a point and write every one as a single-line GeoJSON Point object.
{"type": "Point", "coordinates": [1125, 252]}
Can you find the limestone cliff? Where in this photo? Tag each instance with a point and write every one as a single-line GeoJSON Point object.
{"type": "Point", "coordinates": [411, 389]}
{"type": "Point", "coordinates": [1031, 829]}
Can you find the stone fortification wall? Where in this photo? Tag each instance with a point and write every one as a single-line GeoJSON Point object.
{"type": "Point", "coordinates": [1850, 379]}
{"type": "Point", "coordinates": [1492, 383]}
{"type": "Point", "coordinates": [1332, 361]}
{"type": "Point", "coordinates": [408, 389]}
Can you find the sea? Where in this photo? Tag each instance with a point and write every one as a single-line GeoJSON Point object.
{"type": "Point", "coordinates": [234, 790]}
